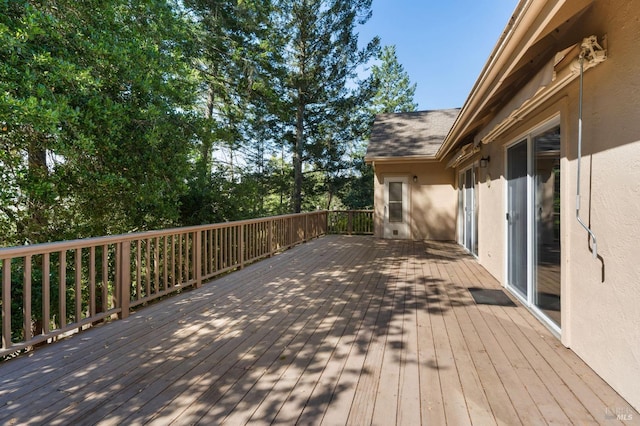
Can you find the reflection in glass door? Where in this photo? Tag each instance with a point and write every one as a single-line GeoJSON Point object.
{"type": "Point", "coordinates": [516, 216]}
{"type": "Point", "coordinates": [468, 209]}
{"type": "Point", "coordinates": [547, 213]}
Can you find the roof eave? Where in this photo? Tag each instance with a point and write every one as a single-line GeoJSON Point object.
{"type": "Point", "coordinates": [401, 160]}
{"type": "Point", "coordinates": [528, 19]}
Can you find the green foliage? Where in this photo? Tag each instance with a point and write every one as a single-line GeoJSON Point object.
{"type": "Point", "coordinates": [394, 89]}
{"type": "Point", "coordinates": [320, 89]}
{"type": "Point", "coordinates": [393, 92]}
{"type": "Point", "coordinates": [111, 112]}
{"type": "Point", "coordinates": [357, 194]}
{"type": "Point", "coordinates": [95, 101]}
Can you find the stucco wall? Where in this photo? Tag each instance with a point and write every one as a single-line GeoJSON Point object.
{"type": "Point", "coordinates": [600, 297]}
{"type": "Point", "coordinates": [604, 308]}
{"type": "Point", "coordinates": [432, 199]}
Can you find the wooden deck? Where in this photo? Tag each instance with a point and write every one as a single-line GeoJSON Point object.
{"type": "Point", "coordinates": [340, 330]}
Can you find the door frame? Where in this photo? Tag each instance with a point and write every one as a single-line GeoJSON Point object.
{"type": "Point", "coordinates": [397, 230]}
{"type": "Point", "coordinates": [530, 299]}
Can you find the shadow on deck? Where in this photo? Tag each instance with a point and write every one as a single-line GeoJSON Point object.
{"type": "Point", "coordinates": [340, 330]}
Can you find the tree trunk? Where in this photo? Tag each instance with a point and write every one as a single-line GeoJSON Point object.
{"type": "Point", "coordinates": [207, 147]}
{"type": "Point", "coordinates": [297, 156]}
{"type": "Point", "coordinates": [36, 229]}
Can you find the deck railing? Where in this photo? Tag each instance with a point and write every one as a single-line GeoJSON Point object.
{"type": "Point", "coordinates": [52, 289]}
{"type": "Point", "coordinates": [356, 222]}
{"type": "Point", "coordinates": [56, 288]}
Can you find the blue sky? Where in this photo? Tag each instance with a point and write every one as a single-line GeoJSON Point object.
{"type": "Point", "coordinates": [442, 44]}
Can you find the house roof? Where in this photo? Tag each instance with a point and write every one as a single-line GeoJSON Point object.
{"type": "Point", "coordinates": [410, 135]}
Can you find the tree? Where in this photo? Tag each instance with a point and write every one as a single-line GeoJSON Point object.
{"type": "Point", "coordinates": [320, 92]}
{"type": "Point", "coordinates": [393, 93]}
{"type": "Point", "coordinates": [96, 101]}
{"type": "Point", "coordinates": [394, 89]}
{"type": "Point", "coordinates": [237, 48]}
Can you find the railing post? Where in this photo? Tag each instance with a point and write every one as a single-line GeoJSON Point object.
{"type": "Point", "coordinates": [78, 284]}
{"type": "Point", "coordinates": [349, 222]}
{"type": "Point", "coordinates": [46, 293]}
{"type": "Point", "coordinates": [26, 301]}
{"type": "Point", "coordinates": [270, 238]}
{"type": "Point", "coordinates": [197, 264]}
{"type": "Point", "coordinates": [241, 246]}
{"type": "Point", "coordinates": [326, 222]}
{"type": "Point", "coordinates": [124, 278]}
{"type": "Point", "coordinates": [306, 226]}
{"type": "Point", "coordinates": [291, 240]}
{"type": "Point", "coordinates": [62, 291]}
{"type": "Point", "coordinates": [6, 307]}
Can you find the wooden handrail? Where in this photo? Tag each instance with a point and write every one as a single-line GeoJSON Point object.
{"type": "Point", "coordinates": [52, 289]}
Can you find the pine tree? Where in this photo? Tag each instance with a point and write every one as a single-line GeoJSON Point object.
{"type": "Point", "coordinates": [394, 89]}
{"type": "Point", "coordinates": [393, 93]}
{"type": "Point", "coordinates": [318, 90]}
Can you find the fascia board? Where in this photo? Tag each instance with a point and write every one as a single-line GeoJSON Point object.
{"type": "Point", "coordinates": [529, 20]}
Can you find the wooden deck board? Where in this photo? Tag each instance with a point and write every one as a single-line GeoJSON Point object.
{"type": "Point", "coordinates": [409, 387]}
{"type": "Point", "coordinates": [340, 330]}
{"type": "Point", "coordinates": [431, 398]}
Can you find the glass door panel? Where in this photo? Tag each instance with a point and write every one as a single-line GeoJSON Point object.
{"type": "Point", "coordinates": [517, 238]}
{"type": "Point", "coordinates": [547, 225]}
{"type": "Point", "coordinates": [396, 208]}
{"type": "Point", "coordinates": [475, 211]}
{"type": "Point", "coordinates": [468, 210]}
{"type": "Point", "coordinates": [395, 202]}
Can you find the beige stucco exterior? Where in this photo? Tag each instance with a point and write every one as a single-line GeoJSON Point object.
{"type": "Point", "coordinates": [600, 303]}
{"type": "Point", "coordinates": [432, 199]}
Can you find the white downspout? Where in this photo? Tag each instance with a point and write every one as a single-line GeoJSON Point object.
{"type": "Point", "coordinates": [592, 51]}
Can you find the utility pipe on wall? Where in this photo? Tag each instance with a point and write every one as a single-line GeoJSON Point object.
{"type": "Point", "coordinates": [593, 52]}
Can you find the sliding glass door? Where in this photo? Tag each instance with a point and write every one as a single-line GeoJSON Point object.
{"type": "Point", "coordinates": [533, 221]}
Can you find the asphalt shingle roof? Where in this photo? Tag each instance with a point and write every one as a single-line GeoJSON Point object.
{"type": "Point", "coordinates": [409, 134]}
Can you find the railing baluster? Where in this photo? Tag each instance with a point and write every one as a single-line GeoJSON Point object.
{"type": "Point", "coordinates": [213, 253]}
{"type": "Point", "coordinates": [6, 307]}
{"type": "Point", "coordinates": [173, 261]}
{"type": "Point", "coordinates": [216, 251]}
{"type": "Point", "coordinates": [138, 271]}
{"type": "Point", "coordinates": [62, 297]}
{"type": "Point", "coordinates": [240, 244]}
{"type": "Point", "coordinates": [46, 293]}
{"type": "Point", "coordinates": [165, 262]}
{"type": "Point", "coordinates": [270, 237]}
{"type": "Point", "coordinates": [180, 260]}
{"type": "Point", "coordinates": [92, 281]}
{"type": "Point", "coordinates": [105, 278]}
{"type": "Point", "coordinates": [124, 278]}
{"type": "Point", "coordinates": [78, 284]}
{"type": "Point", "coordinates": [147, 267]}
{"type": "Point", "coordinates": [156, 265]}
{"type": "Point", "coordinates": [187, 259]}
{"type": "Point", "coordinates": [228, 244]}
{"type": "Point", "coordinates": [26, 300]}
{"type": "Point", "coordinates": [198, 258]}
